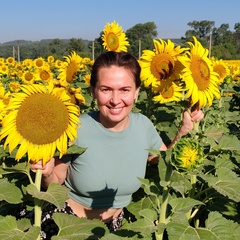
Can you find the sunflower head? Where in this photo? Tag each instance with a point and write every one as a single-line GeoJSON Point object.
{"type": "Point", "coordinates": [169, 94]}
{"type": "Point", "coordinates": [40, 123]}
{"type": "Point", "coordinates": [187, 155]}
{"type": "Point", "coordinates": [161, 66]}
{"type": "Point", "coordinates": [114, 38]}
{"type": "Point", "coordinates": [200, 79]}
{"type": "Point", "coordinates": [68, 69]}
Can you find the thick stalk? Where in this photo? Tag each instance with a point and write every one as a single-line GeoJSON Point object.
{"type": "Point", "coordinates": [37, 202]}
{"type": "Point", "coordinates": [192, 192]}
{"type": "Point", "coordinates": [163, 212]}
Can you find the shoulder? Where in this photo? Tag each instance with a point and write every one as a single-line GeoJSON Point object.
{"type": "Point", "coordinates": [88, 116]}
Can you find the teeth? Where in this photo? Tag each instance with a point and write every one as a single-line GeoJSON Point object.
{"type": "Point", "coordinates": [116, 109]}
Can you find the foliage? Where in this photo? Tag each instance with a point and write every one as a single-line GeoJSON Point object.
{"type": "Point", "coordinates": [201, 202]}
{"type": "Point", "coordinates": [170, 203]}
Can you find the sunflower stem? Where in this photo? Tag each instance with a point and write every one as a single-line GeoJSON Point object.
{"type": "Point", "coordinates": [165, 196]}
{"type": "Point", "coordinates": [196, 126]}
{"type": "Point", "coordinates": [37, 202]}
{"type": "Point", "coordinates": [192, 192]}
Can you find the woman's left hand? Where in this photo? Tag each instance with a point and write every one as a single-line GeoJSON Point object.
{"type": "Point", "coordinates": [188, 119]}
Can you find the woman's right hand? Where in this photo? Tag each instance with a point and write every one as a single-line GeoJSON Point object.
{"type": "Point", "coordinates": [47, 169]}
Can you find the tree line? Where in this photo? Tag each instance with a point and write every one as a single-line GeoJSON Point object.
{"type": "Point", "coordinates": [221, 42]}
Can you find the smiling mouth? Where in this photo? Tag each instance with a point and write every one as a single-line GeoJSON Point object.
{"type": "Point", "coordinates": [115, 110]}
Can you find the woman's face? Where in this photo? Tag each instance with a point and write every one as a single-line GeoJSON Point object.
{"type": "Point", "coordinates": [115, 93]}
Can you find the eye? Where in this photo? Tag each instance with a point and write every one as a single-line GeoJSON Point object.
{"type": "Point", "coordinates": [105, 90]}
{"type": "Point", "coordinates": [125, 90]}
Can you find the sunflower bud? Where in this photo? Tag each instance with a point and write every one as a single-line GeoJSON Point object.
{"type": "Point", "coordinates": [187, 155]}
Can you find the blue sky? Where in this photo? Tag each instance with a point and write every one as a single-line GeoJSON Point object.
{"type": "Point", "coordinates": [43, 19]}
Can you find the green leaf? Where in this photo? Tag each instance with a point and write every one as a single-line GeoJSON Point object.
{"type": "Point", "coordinates": [183, 205]}
{"type": "Point", "coordinates": [214, 133]}
{"type": "Point", "coordinates": [180, 182]}
{"type": "Point", "coordinates": [72, 227]}
{"type": "Point", "coordinates": [149, 214]}
{"type": "Point", "coordinates": [223, 228]}
{"type": "Point", "coordinates": [9, 192]}
{"type": "Point", "coordinates": [56, 194]}
{"type": "Point", "coordinates": [74, 149]}
{"type": "Point", "coordinates": [10, 231]}
{"type": "Point", "coordinates": [228, 143]}
{"type": "Point", "coordinates": [227, 183]}
{"type": "Point", "coordinates": [11, 166]}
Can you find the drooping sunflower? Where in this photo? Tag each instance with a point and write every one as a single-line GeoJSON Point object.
{"type": "Point", "coordinates": [40, 123]}
{"type": "Point", "coordinates": [201, 80]}
{"type": "Point", "coordinates": [69, 68]}
{"type": "Point", "coordinates": [114, 38]}
{"type": "Point", "coordinates": [170, 94]}
{"type": "Point", "coordinates": [161, 66]}
{"type": "Point", "coordinates": [187, 155]}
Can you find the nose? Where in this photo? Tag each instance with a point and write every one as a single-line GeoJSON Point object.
{"type": "Point", "coordinates": [115, 98]}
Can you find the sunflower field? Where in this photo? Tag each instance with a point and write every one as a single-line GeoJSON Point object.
{"type": "Point", "coordinates": [194, 190]}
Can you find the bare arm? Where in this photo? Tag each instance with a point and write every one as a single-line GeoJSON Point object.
{"type": "Point", "coordinates": [187, 126]}
{"type": "Point", "coordinates": [54, 171]}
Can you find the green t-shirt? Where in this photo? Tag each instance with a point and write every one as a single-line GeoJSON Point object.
{"type": "Point", "coordinates": [106, 174]}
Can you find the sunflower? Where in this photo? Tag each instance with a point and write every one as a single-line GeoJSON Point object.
{"type": "Point", "coordinates": [44, 74]}
{"type": "Point", "coordinates": [200, 79]}
{"type": "Point", "coordinates": [170, 94]}
{"type": "Point", "coordinates": [4, 69]}
{"type": "Point", "coordinates": [27, 63]}
{"type": "Point", "coordinates": [187, 155]}
{"type": "Point", "coordinates": [69, 68]}
{"type": "Point", "coordinates": [10, 61]}
{"type": "Point", "coordinates": [39, 62]}
{"type": "Point", "coordinates": [114, 38]}
{"type": "Point", "coordinates": [221, 68]}
{"type": "Point", "coordinates": [14, 86]}
{"type": "Point", "coordinates": [40, 123]}
{"type": "Point", "coordinates": [161, 66]}
{"type": "Point", "coordinates": [28, 77]}
{"type": "Point", "coordinates": [4, 100]}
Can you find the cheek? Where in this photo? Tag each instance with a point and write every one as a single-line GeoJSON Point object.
{"type": "Point", "coordinates": [102, 99]}
{"type": "Point", "coordinates": [129, 99]}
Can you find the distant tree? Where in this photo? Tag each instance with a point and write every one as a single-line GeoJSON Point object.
{"type": "Point", "coordinates": [77, 45]}
{"type": "Point", "coordinates": [201, 30]}
{"type": "Point", "coordinates": [140, 37]}
{"type": "Point", "coordinates": [56, 45]}
{"type": "Point", "coordinates": [237, 33]}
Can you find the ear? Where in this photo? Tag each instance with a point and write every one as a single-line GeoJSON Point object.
{"type": "Point", "coordinates": [136, 94]}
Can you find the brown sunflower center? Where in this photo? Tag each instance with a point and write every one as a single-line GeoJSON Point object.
{"type": "Point", "coordinates": [162, 66]}
{"type": "Point", "coordinates": [42, 118]}
{"type": "Point", "coordinates": [28, 76]}
{"type": "Point", "coordinates": [112, 41]}
{"type": "Point", "coordinates": [44, 75]}
{"type": "Point", "coordinates": [201, 73]}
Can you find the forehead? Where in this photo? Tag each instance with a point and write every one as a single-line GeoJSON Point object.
{"type": "Point", "coordinates": [115, 75]}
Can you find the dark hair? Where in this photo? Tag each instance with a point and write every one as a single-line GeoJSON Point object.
{"type": "Point", "coordinates": [120, 59]}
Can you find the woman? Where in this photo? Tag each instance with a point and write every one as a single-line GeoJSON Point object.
{"type": "Point", "coordinates": [103, 178]}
